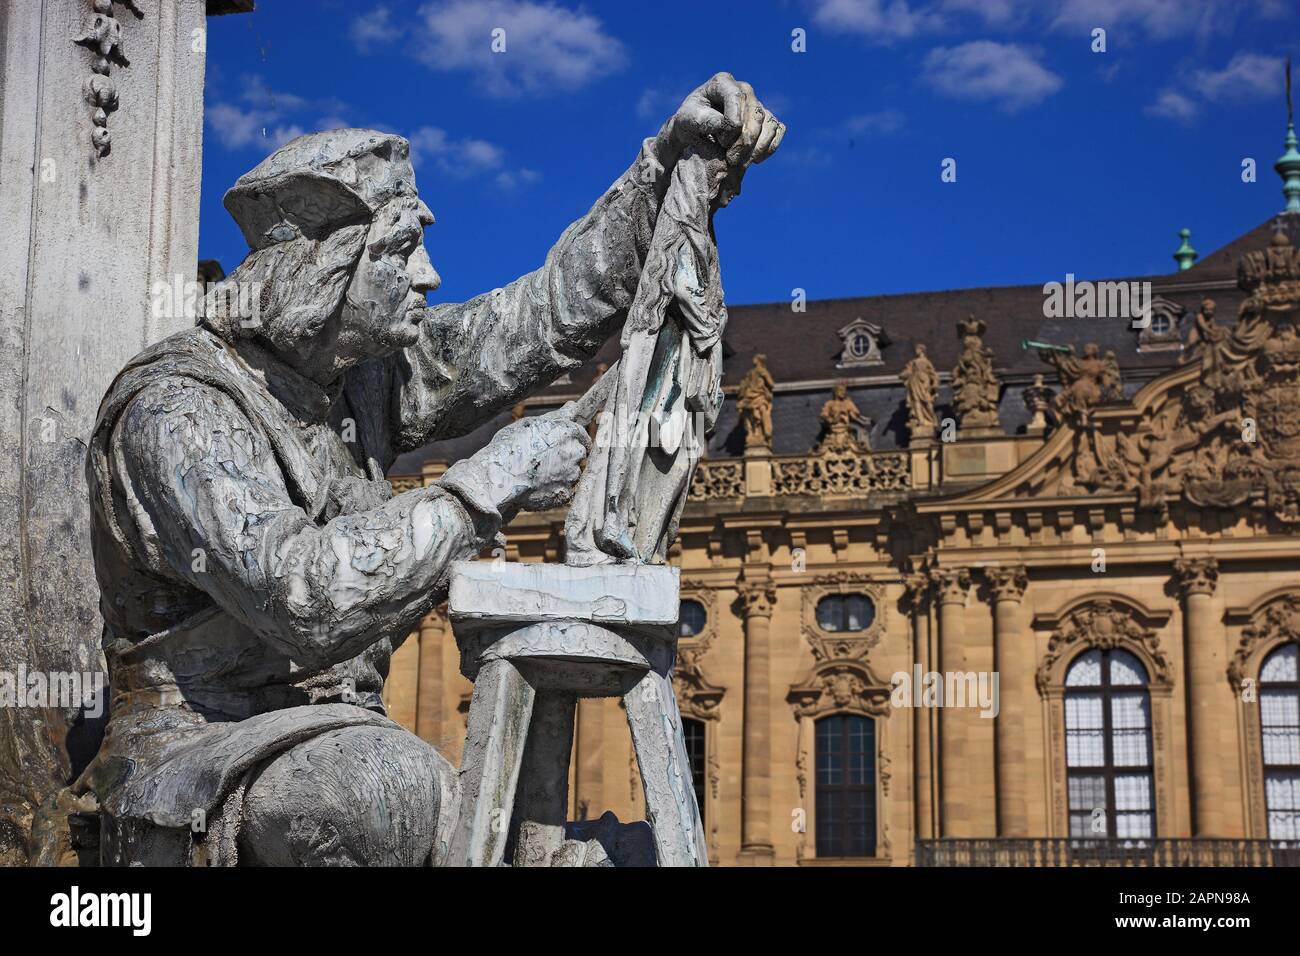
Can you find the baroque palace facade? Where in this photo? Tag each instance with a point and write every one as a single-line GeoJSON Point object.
{"type": "Point", "coordinates": [1093, 547]}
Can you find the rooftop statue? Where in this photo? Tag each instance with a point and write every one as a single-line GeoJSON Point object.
{"type": "Point", "coordinates": [256, 570]}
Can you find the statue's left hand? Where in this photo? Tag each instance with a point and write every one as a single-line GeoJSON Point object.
{"type": "Point", "coordinates": [727, 111]}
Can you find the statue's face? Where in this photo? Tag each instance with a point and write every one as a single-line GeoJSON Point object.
{"type": "Point", "coordinates": [385, 299]}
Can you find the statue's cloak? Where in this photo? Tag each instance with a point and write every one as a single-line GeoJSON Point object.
{"type": "Point", "coordinates": [196, 705]}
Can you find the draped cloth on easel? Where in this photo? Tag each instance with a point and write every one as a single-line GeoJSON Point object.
{"type": "Point", "coordinates": [669, 384]}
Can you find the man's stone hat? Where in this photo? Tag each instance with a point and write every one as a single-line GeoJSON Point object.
{"type": "Point", "coordinates": [320, 182]}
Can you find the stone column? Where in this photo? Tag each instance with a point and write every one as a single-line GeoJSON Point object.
{"type": "Point", "coordinates": [589, 770]}
{"type": "Point", "coordinates": [1013, 662]}
{"type": "Point", "coordinates": [1209, 697]}
{"type": "Point", "coordinates": [918, 605]}
{"type": "Point", "coordinates": [757, 599]}
{"type": "Point", "coordinates": [955, 773]}
{"type": "Point", "coordinates": [100, 214]}
{"type": "Point", "coordinates": [429, 709]}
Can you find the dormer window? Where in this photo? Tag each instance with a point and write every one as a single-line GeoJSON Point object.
{"type": "Point", "coordinates": [1163, 333]}
{"type": "Point", "coordinates": [862, 342]}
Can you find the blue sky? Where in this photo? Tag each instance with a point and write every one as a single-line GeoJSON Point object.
{"type": "Point", "coordinates": [1068, 160]}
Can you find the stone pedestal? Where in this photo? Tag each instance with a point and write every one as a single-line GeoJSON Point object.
{"type": "Point", "coordinates": [535, 638]}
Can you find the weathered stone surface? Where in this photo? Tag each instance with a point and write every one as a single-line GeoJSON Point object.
{"type": "Point", "coordinates": [501, 592]}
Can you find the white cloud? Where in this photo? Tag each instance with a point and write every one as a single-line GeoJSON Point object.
{"type": "Point", "coordinates": [508, 180]}
{"type": "Point", "coordinates": [374, 28]}
{"type": "Point", "coordinates": [868, 124]}
{"type": "Point", "coordinates": [880, 20]}
{"type": "Point", "coordinates": [547, 47]}
{"type": "Point", "coordinates": [1005, 73]}
{"type": "Point", "coordinates": [1171, 104]}
{"type": "Point", "coordinates": [1160, 19]}
{"type": "Point", "coordinates": [466, 158]}
{"type": "Point", "coordinates": [237, 127]}
{"type": "Point", "coordinates": [1246, 75]}
{"type": "Point", "coordinates": [270, 117]}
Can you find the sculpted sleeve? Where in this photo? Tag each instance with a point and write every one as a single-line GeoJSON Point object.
{"type": "Point", "coordinates": [214, 510]}
{"type": "Point", "coordinates": [478, 357]}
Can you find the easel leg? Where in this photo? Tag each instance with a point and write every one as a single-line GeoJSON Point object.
{"type": "Point", "coordinates": [542, 802]}
{"type": "Point", "coordinates": [656, 728]}
{"type": "Point", "coordinates": [499, 714]}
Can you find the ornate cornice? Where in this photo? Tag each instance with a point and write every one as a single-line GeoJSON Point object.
{"type": "Point", "coordinates": [1196, 575]}
{"type": "Point", "coordinates": [1102, 624]}
{"type": "Point", "coordinates": [1277, 622]}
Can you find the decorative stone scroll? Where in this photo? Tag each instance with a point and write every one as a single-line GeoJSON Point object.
{"type": "Point", "coordinates": [1277, 622]}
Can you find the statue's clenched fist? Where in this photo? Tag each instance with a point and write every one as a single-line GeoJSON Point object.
{"type": "Point", "coordinates": [725, 110]}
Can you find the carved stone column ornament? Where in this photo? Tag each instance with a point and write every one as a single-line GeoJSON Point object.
{"type": "Point", "coordinates": [103, 35]}
{"type": "Point", "coordinates": [1038, 397]}
{"type": "Point", "coordinates": [757, 600]}
{"type": "Point", "coordinates": [1013, 661]}
{"type": "Point", "coordinates": [975, 384]}
{"type": "Point", "coordinates": [1208, 695]}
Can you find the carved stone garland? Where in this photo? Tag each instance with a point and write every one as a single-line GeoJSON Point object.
{"type": "Point", "coordinates": [103, 35]}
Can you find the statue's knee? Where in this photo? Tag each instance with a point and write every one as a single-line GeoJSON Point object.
{"type": "Point", "coordinates": [355, 796]}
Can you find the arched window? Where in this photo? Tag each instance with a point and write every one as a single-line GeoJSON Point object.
{"type": "Point", "coordinates": [845, 612]}
{"type": "Point", "coordinates": [1108, 758]}
{"type": "Point", "coordinates": [693, 731]}
{"type": "Point", "coordinates": [846, 786]}
{"type": "Point", "coordinates": [1279, 718]}
{"type": "Point", "coordinates": [691, 618]}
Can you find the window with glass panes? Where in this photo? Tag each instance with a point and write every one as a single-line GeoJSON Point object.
{"type": "Point", "coordinates": [1110, 778]}
{"type": "Point", "coordinates": [846, 786]}
{"type": "Point", "coordinates": [845, 612]}
{"type": "Point", "coordinates": [693, 731]}
{"type": "Point", "coordinates": [1279, 717]}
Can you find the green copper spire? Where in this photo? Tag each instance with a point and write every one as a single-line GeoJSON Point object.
{"type": "Point", "coordinates": [1185, 255]}
{"type": "Point", "coordinates": [1288, 167]}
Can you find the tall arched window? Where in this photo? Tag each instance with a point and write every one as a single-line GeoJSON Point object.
{"type": "Point", "coordinates": [846, 786]}
{"type": "Point", "coordinates": [1110, 777]}
{"type": "Point", "coordinates": [693, 732]}
{"type": "Point", "coordinates": [1279, 718]}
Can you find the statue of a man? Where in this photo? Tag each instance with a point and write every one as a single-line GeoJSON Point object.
{"type": "Point", "coordinates": [754, 402]}
{"type": "Point", "coordinates": [256, 571]}
{"type": "Point", "coordinates": [922, 383]}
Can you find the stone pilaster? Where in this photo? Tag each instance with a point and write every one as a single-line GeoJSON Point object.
{"type": "Point", "coordinates": [757, 600]}
{"type": "Point", "coordinates": [1213, 768]}
{"type": "Point", "coordinates": [917, 602]}
{"type": "Point", "coordinates": [955, 798]}
{"type": "Point", "coordinates": [1013, 661]}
